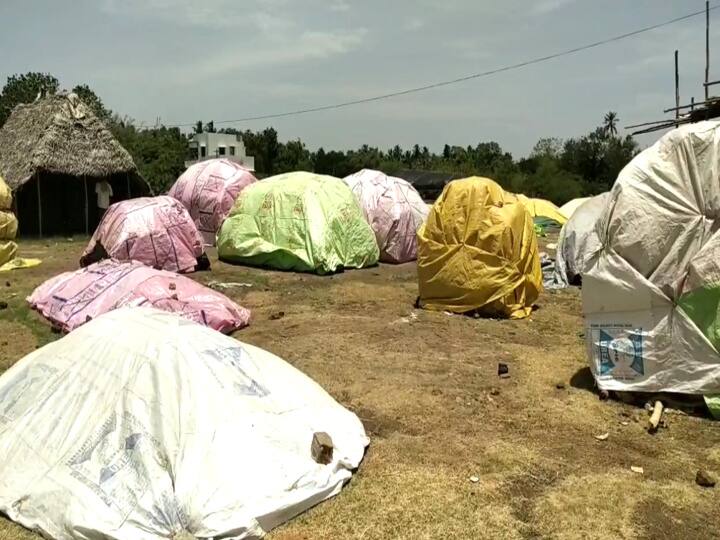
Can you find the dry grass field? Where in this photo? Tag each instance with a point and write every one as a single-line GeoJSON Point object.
{"type": "Point", "coordinates": [425, 385]}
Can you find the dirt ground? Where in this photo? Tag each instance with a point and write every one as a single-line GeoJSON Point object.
{"type": "Point", "coordinates": [426, 387]}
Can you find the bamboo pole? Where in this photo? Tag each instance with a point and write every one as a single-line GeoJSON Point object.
{"type": "Point", "coordinates": [677, 89]}
{"type": "Point", "coordinates": [707, 47]}
{"type": "Point", "coordinates": [87, 209]}
{"type": "Point", "coordinates": [654, 122]}
{"type": "Point", "coordinates": [39, 200]}
{"type": "Point", "coordinates": [671, 109]}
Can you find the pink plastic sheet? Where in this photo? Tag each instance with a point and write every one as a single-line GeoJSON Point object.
{"type": "Point", "coordinates": [394, 210]}
{"type": "Point", "coordinates": [71, 299]}
{"type": "Point", "coordinates": [156, 231]}
{"type": "Point", "coordinates": [208, 190]}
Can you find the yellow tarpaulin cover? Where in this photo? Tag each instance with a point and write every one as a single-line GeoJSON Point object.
{"type": "Point", "coordinates": [543, 208]}
{"type": "Point", "coordinates": [19, 262]}
{"type": "Point", "coordinates": [478, 251]}
{"type": "Point", "coordinates": [8, 225]}
{"type": "Point", "coordinates": [5, 195]}
{"type": "Point", "coordinates": [7, 251]}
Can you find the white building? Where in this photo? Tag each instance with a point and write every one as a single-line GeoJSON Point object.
{"type": "Point", "coordinates": [219, 145]}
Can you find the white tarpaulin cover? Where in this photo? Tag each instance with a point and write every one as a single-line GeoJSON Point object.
{"type": "Point", "coordinates": [142, 425]}
{"type": "Point", "coordinates": [578, 240]}
{"type": "Point", "coordinates": [651, 296]}
{"type": "Point", "coordinates": [568, 209]}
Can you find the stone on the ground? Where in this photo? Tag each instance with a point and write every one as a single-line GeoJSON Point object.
{"type": "Point", "coordinates": [705, 479]}
{"type": "Point", "coordinates": [322, 448]}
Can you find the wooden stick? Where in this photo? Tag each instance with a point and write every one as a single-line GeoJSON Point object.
{"type": "Point", "coordinates": [655, 417]}
{"type": "Point", "coordinates": [87, 217]}
{"type": "Point", "coordinates": [37, 178]}
{"type": "Point", "coordinates": [663, 121]}
{"type": "Point", "coordinates": [677, 89]}
{"type": "Point", "coordinates": [671, 109]}
{"type": "Point", "coordinates": [707, 47]}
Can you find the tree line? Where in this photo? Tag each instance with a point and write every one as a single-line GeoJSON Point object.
{"type": "Point", "coordinates": [556, 169]}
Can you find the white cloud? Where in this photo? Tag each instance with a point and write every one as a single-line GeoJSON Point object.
{"type": "Point", "coordinates": [262, 14]}
{"type": "Point", "coordinates": [413, 24]}
{"type": "Point", "coordinates": [339, 5]}
{"type": "Point", "coordinates": [266, 54]}
{"type": "Point", "coordinates": [547, 6]}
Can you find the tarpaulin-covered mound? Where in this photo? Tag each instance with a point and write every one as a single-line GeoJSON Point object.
{"type": "Point", "coordinates": [73, 298]}
{"type": "Point", "coordinates": [477, 251]}
{"type": "Point", "coordinates": [143, 425]}
{"type": "Point", "coordinates": [541, 208]}
{"type": "Point", "coordinates": [8, 225]}
{"type": "Point", "coordinates": [208, 190]}
{"type": "Point", "coordinates": [544, 213]}
{"type": "Point", "coordinates": [394, 209]}
{"type": "Point", "coordinates": [298, 221]}
{"type": "Point", "coordinates": [569, 208]}
{"type": "Point", "coordinates": [156, 231]}
{"type": "Point", "coordinates": [651, 296]}
{"type": "Point", "coordinates": [578, 241]}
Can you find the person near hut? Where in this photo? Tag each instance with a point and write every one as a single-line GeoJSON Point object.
{"type": "Point", "coordinates": [104, 191]}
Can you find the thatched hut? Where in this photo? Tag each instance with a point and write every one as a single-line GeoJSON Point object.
{"type": "Point", "coordinates": [53, 152]}
{"type": "Point", "coordinates": [428, 183]}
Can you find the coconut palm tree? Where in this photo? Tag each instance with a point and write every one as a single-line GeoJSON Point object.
{"type": "Point", "coordinates": [610, 124]}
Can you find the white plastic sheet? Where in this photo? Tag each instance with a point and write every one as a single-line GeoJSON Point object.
{"type": "Point", "coordinates": [578, 241]}
{"type": "Point", "coordinates": [142, 425]}
{"type": "Point", "coordinates": [651, 295]}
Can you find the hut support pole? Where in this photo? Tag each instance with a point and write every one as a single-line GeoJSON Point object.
{"type": "Point", "coordinates": [39, 200]}
{"type": "Point", "coordinates": [707, 48]}
{"type": "Point", "coordinates": [677, 89]}
{"type": "Point", "coordinates": [87, 210]}
{"type": "Point", "coordinates": [127, 178]}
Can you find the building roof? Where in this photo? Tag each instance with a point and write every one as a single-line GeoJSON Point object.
{"type": "Point", "coordinates": [59, 134]}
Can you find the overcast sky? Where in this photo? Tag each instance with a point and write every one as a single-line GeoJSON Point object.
{"type": "Point", "coordinates": [184, 60]}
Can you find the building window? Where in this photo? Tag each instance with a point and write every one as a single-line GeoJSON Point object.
{"type": "Point", "coordinates": [203, 151]}
{"type": "Point", "coordinates": [221, 150]}
{"type": "Point", "coordinates": [232, 150]}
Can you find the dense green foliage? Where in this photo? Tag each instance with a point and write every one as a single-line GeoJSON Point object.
{"type": "Point", "coordinates": [556, 170]}
{"type": "Point", "coordinates": [24, 89]}
{"type": "Point", "coordinates": [159, 153]}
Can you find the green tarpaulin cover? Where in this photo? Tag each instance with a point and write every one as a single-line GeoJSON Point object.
{"type": "Point", "coordinates": [298, 221]}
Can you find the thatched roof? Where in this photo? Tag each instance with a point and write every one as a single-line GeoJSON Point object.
{"type": "Point", "coordinates": [59, 134]}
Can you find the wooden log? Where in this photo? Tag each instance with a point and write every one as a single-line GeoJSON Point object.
{"type": "Point", "coordinates": [322, 448]}
{"type": "Point", "coordinates": [655, 417]}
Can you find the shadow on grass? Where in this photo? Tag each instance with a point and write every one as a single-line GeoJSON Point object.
{"type": "Point", "coordinates": [583, 380]}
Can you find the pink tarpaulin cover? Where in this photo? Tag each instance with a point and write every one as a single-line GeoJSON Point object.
{"type": "Point", "coordinates": [394, 210]}
{"type": "Point", "coordinates": [156, 231]}
{"type": "Point", "coordinates": [71, 299]}
{"type": "Point", "coordinates": [208, 190]}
